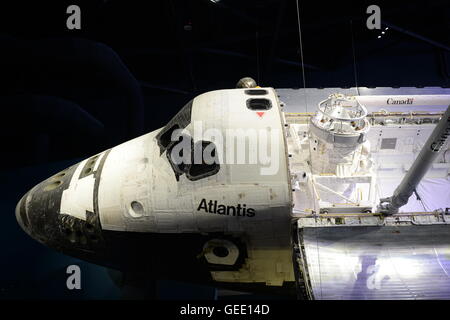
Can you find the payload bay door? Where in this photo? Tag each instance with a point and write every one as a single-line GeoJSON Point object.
{"type": "Point", "coordinates": [370, 257]}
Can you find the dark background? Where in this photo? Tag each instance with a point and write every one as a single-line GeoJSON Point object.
{"type": "Point", "coordinates": [67, 94]}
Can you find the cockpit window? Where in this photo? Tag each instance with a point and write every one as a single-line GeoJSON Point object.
{"type": "Point", "coordinates": [180, 167]}
{"type": "Point", "coordinates": [207, 167]}
{"type": "Point", "coordinates": [166, 138]}
{"type": "Point", "coordinates": [180, 121]}
{"type": "Point", "coordinates": [194, 171]}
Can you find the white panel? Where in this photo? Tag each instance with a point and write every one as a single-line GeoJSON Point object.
{"type": "Point", "coordinates": [78, 198]}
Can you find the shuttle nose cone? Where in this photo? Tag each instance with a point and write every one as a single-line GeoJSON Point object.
{"type": "Point", "coordinates": [21, 214]}
{"type": "Point", "coordinates": [37, 211]}
{"type": "Point", "coordinates": [39, 214]}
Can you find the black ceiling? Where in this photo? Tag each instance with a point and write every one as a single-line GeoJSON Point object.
{"type": "Point", "coordinates": [184, 45]}
{"type": "Point", "coordinates": [157, 55]}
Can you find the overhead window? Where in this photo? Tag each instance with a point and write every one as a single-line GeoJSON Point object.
{"type": "Point", "coordinates": [259, 104]}
{"type": "Point", "coordinates": [256, 92]}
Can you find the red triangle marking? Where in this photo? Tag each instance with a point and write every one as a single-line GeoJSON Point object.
{"type": "Point", "coordinates": [260, 114]}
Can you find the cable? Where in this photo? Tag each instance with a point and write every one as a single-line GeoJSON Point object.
{"type": "Point", "coordinates": [421, 201]}
{"type": "Point", "coordinates": [306, 105]}
{"type": "Point", "coordinates": [301, 54]}
{"type": "Point", "coordinates": [354, 58]}
{"type": "Point", "coordinates": [303, 72]}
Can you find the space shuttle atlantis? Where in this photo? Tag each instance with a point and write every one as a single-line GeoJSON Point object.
{"type": "Point", "coordinates": [347, 201]}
